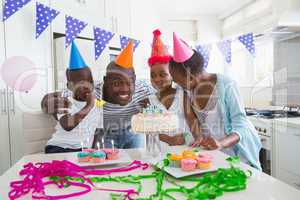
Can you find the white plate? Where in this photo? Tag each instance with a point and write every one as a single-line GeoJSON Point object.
{"type": "Point", "coordinates": [123, 158]}
{"type": "Point", "coordinates": [218, 162]}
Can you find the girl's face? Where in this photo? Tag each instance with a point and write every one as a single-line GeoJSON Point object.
{"type": "Point", "coordinates": [183, 78]}
{"type": "Point", "coordinates": [160, 76]}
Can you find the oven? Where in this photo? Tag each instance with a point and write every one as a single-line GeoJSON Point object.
{"type": "Point", "coordinates": [264, 128]}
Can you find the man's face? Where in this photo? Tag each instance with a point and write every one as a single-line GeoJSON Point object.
{"type": "Point", "coordinates": [119, 87]}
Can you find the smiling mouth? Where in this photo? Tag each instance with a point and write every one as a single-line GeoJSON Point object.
{"type": "Point", "coordinates": [124, 96]}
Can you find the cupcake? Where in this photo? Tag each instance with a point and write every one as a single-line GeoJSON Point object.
{"type": "Point", "coordinates": [188, 164]}
{"type": "Point", "coordinates": [187, 153]}
{"type": "Point", "coordinates": [83, 156]}
{"type": "Point", "coordinates": [98, 157]}
{"type": "Point", "coordinates": [175, 160]}
{"type": "Point", "coordinates": [112, 154]}
{"type": "Point", "coordinates": [88, 150]}
{"type": "Point", "coordinates": [204, 162]}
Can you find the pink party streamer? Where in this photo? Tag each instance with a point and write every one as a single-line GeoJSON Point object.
{"type": "Point", "coordinates": [35, 173]}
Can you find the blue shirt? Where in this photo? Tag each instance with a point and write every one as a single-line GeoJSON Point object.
{"type": "Point", "coordinates": [236, 121]}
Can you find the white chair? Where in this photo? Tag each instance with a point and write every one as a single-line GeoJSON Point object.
{"type": "Point", "coordinates": [38, 129]}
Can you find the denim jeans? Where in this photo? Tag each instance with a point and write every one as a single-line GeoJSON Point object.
{"type": "Point", "coordinates": [123, 139]}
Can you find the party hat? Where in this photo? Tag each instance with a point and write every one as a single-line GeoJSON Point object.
{"type": "Point", "coordinates": [125, 58]}
{"type": "Point", "coordinates": [182, 52]}
{"type": "Point", "coordinates": [159, 53]}
{"type": "Point", "coordinates": [76, 60]}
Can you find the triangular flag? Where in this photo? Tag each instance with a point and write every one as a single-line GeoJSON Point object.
{"type": "Point", "coordinates": [12, 6]}
{"type": "Point", "coordinates": [44, 16]}
{"type": "Point", "coordinates": [248, 41]}
{"type": "Point", "coordinates": [73, 28]}
{"type": "Point", "coordinates": [204, 50]}
{"type": "Point", "coordinates": [124, 41]}
{"type": "Point", "coordinates": [76, 60]}
{"type": "Point", "coordinates": [102, 38]}
{"type": "Point", "coordinates": [225, 48]}
{"type": "Point", "coordinates": [125, 58]}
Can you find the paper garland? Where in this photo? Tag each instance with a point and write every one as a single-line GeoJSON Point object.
{"type": "Point", "coordinates": [102, 38]}
{"type": "Point", "coordinates": [44, 16]}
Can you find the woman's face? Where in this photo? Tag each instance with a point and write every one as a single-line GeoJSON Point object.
{"type": "Point", "coordinates": [182, 78]}
{"type": "Point", "coordinates": [160, 76]}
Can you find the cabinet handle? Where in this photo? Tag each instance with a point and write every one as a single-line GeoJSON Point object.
{"type": "Point", "coordinates": [3, 102]}
{"type": "Point", "coordinates": [12, 99]}
{"type": "Point", "coordinates": [117, 27]}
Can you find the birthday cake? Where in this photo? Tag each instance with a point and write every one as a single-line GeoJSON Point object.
{"type": "Point", "coordinates": [153, 121]}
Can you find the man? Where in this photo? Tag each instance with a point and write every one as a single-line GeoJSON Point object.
{"type": "Point", "coordinates": [124, 96]}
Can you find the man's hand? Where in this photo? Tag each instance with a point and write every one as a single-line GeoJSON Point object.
{"type": "Point", "coordinates": [53, 103]}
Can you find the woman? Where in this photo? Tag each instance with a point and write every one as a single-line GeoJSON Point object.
{"type": "Point", "coordinates": [216, 102]}
{"type": "Point", "coordinates": [167, 98]}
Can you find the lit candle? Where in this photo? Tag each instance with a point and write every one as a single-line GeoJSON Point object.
{"type": "Point", "coordinates": [102, 141]}
{"type": "Point", "coordinates": [98, 146]}
{"type": "Point", "coordinates": [81, 144]}
{"type": "Point", "coordinates": [112, 145]}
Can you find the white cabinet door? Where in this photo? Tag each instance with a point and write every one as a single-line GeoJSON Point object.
{"type": "Point", "coordinates": [4, 132]}
{"type": "Point", "coordinates": [287, 147]}
{"type": "Point", "coordinates": [21, 42]}
{"type": "Point", "coordinates": [118, 13]}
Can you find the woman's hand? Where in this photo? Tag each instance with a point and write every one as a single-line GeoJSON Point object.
{"type": "Point", "coordinates": [211, 143]}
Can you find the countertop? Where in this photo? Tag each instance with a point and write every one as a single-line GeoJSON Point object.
{"type": "Point", "coordinates": [260, 185]}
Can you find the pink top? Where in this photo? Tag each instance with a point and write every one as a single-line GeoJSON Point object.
{"type": "Point", "coordinates": [205, 155]}
{"type": "Point", "coordinates": [110, 151]}
{"type": "Point", "coordinates": [204, 159]}
{"type": "Point", "coordinates": [188, 161]}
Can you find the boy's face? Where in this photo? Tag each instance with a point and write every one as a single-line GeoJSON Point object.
{"type": "Point", "coordinates": [120, 86]}
{"type": "Point", "coordinates": [160, 76]}
{"type": "Point", "coordinates": [182, 77]}
{"type": "Point", "coordinates": [81, 83]}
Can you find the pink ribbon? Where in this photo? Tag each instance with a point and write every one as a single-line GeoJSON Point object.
{"type": "Point", "coordinates": [35, 173]}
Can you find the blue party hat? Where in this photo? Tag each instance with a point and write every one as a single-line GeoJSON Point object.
{"type": "Point", "coordinates": [76, 60]}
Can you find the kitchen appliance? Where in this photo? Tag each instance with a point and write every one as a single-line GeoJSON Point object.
{"type": "Point", "coordinates": [263, 123]}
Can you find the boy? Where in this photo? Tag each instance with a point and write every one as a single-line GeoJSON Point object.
{"type": "Point", "coordinates": [78, 126]}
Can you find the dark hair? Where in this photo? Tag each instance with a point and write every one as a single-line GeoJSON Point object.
{"type": "Point", "coordinates": [194, 65]}
{"type": "Point", "coordinates": [69, 72]}
{"type": "Point", "coordinates": [112, 67]}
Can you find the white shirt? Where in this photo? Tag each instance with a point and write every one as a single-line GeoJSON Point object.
{"type": "Point", "coordinates": [82, 133]}
{"type": "Point", "coordinates": [178, 108]}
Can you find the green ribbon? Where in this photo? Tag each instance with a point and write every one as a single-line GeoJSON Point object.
{"type": "Point", "coordinates": [209, 186]}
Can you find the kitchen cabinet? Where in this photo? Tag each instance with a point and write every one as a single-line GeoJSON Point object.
{"type": "Point", "coordinates": [118, 12]}
{"type": "Point", "coordinates": [287, 142]}
{"type": "Point", "coordinates": [4, 117]}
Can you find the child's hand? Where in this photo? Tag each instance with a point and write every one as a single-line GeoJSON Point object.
{"type": "Point", "coordinates": [90, 98]}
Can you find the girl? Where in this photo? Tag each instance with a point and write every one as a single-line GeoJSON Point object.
{"type": "Point", "coordinates": [217, 105]}
{"type": "Point", "coordinates": [167, 98]}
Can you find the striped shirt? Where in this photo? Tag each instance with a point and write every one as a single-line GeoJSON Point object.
{"type": "Point", "coordinates": [117, 117]}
